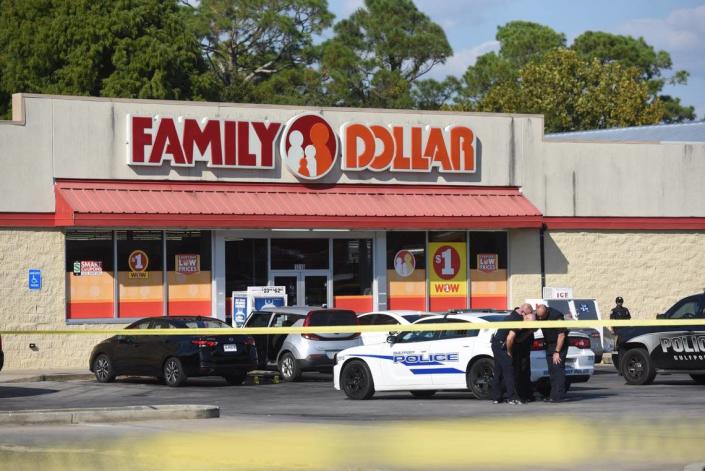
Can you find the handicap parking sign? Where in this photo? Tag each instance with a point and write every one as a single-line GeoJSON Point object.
{"type": "Point", "coordinates": [35, 279]}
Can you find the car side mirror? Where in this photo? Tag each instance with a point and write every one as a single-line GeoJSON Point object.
{"type": "Point", "coordinates": [391, 339]}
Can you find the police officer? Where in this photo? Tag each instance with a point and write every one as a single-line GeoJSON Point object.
{"type": "Point", "coordinates": [556, 340]}
{"type": "Point", "coordinates": [521, 357]}
{"type": "Point", "coordinates": [503, 380]}
{"type": "Point", "coordinates": [619, 312]}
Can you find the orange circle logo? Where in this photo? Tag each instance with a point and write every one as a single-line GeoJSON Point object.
{"type": "Point", "coordinates": [138, 261]}
{"type": "Point", "coordinates": [309, 146]}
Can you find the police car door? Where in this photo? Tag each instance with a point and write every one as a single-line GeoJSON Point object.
{"type": "Point", "coordinates": [451, 353]}
{"type": "Point", "coordinates": [408, 359]}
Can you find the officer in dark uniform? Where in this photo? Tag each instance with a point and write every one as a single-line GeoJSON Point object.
{"type": "Point", "coordinates": [556, 340]}
{"type": "Point", "coordinates": [521, 357]}
{"type": "Point", "coordinates": [503, 379]}
{"type": "Point", "coordinates": [619, 313]}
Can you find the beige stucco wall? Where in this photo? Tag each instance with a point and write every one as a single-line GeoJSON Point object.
{"type": "Point", "coordinates": [22, 309]}
{"type": "Point", "coordinates": [650, 269]}
{"type": "Point", "coordinates": [524, 266]}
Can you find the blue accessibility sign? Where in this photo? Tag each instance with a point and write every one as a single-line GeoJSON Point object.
{"type": "Point", "coordinates": [35, 279]}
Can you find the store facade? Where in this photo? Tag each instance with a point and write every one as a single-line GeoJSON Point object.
{"type": "Point", "coordinates": [134, 208]}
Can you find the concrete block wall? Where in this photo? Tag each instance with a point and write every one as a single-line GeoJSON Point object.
{"type": "Point", "coordinates": [23, 309]}
{"type": "Point", "coordinates": [524, 266]}
{"type": "Point", "coordinates": [650, 269]}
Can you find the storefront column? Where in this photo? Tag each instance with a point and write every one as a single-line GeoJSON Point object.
{"type": "Point", "coordinates": [379, 284]}
{"type": "Point", "coordinates": [218, 281]}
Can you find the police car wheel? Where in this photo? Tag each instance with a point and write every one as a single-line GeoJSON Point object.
{"type": "Point", "coordinates": [700, 379]}
{"type": "Point", "coordinates": [637, 367]}
{"type": "Point", "coordinates": [356, 380]}
{"type": "Point", "coordinates": [479, 378]}
{"type": "Point", "coordinates": [423, 394]}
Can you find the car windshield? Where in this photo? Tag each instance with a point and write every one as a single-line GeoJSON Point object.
{"type": "Point", "coordinates": [204, 324]}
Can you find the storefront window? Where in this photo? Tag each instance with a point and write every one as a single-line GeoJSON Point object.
{"type": "Point", "coordinates": [188, 264]}
{"type": "Point", "coordinates": [90, 282]}
{"type": "Point", "coordinates": [300, 254]}
{"type": "Point", "coordinates": [245, 265]}
{"type": "Point", "coordinates": [352, 274]}
{"type": "Point", "coordinates": [406, 270]}
{"type": "Point", "coordinates": [448, 274]}
{"type": "Point", "coordinates": [488, 270]}
{"type": "Point", "coordinates": [140, 265]}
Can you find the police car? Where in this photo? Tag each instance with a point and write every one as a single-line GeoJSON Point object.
{"type": "Point", "coordinates": [391, 317]}
{"type": "Point", "coordinates": [642, 352]}
{"type": "Point", "coordinates": [424, 362]}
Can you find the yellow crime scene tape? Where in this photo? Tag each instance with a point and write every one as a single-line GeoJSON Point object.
{"type": "Point", "coordinates": [685, 323]}
{"type": "Point", "coordinates": [538, 442]}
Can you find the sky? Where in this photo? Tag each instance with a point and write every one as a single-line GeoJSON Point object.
{"type": "Point", "coordinates": [675, 26]}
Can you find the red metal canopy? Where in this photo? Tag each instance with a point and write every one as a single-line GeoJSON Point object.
{"type": "Point", "coordinates": [257, 205]}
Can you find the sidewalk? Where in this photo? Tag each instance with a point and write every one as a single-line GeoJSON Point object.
{"type": "Point", "coordinates": [54, 374]}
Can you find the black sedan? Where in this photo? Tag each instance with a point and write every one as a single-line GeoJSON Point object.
{"type": "Point", "coordinates": [173, 358]}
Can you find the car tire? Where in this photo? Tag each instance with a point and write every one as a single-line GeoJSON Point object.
{"type": "Point", "coordinates": [288, 369]}
{"type": "Point", "coordinates": [103, 369]}
{"type": "Point", "coordinates": [356, 380]}
{"type": "Point", "coordinates": [425, 394]}
{"type": "Point", "coordinates": [479, 378]}
{"type": "Point", "coordinates": [598, 359]}
{"type": "Point", "coordinates": [174, 374]}
{"type": "Point", "coordinates": [235, 379]}
{"type": "Point", "coordinates": [700, 379]}
{"type": "Point", "coordinates": [637, 367]}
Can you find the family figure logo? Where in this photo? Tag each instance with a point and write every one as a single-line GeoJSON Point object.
{"type": "Point", "coordinates": [309, 146]}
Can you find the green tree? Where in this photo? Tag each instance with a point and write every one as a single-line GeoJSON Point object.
{"type": "Point", "coordinates": [574, 94]}
{"type": "Point", "coordinates": [378, 53]}
{"type": "Point", "coordinates": [519, 42]}
{"type": "Point", "coordinates": [651, 64]}
{"type": "Point", "coordinates": [120, 48]}
{"type": "Point", "coordinates": [434, 95]}
{"type": "Point", "coordinates": [249, 43]}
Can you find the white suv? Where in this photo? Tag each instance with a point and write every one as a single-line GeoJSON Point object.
{"type": "Point", "coordinates": [423, 362]}
{"type": "Point", "coordinates": [292, 354]}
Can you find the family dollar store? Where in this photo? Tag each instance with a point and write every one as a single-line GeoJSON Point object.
{"type": "Point", "coordinates": [133, 208]}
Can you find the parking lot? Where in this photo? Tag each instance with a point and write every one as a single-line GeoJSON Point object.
{"type": "Point", "coordinates": [605, 406]}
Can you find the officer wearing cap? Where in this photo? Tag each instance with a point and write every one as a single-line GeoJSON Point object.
{"type": "Point", "coordinates": [619, 312]}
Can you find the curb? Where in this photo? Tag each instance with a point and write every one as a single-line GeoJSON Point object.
{"type": "Point", "coordinates": [108, 414]}
{"type": "Point", "coordinates": [253, 377]}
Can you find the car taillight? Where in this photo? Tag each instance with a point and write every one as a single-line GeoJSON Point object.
{"type": "Point", "coordinates": [204, 343]}
{"type": "Point", "coordinates": [538, 344]}
{"type": "Point", "coordinates": [249, 341]}
{"type": "Point", "coordinates": [579, 343]}
{"type": "Point", "coordinates": [310, 336]}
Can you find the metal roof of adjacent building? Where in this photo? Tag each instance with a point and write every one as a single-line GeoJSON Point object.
{"type": "Point", "coordinates": [257, 205]}
{"type": "Point", "coordinates": [682, 132]}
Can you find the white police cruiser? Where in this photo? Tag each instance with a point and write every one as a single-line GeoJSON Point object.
{"type": "Point", "coordinates": [424, 362]}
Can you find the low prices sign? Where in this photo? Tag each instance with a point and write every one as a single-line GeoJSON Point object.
{"type": "Point", "coordinates": [188, 264]}
{"type": "Point", "coordinates": [448, 275]}
{"type": "Point", "coordinates": [487, 262]}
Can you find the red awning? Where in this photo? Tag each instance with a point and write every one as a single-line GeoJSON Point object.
{"type": "Point", "coordinates": [257, 205]}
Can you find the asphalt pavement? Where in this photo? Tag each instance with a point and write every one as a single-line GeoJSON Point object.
{"type": "Point", "coordinates": [662, 426]}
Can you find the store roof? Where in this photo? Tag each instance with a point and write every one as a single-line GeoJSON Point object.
{"type": "Point", "coordinates": [248, 205]}
{"type": "Point", "coordinates": [684, 132]}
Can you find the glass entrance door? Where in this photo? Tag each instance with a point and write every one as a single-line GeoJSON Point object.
{"type": "Point", "coordinates": [303, 287]}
